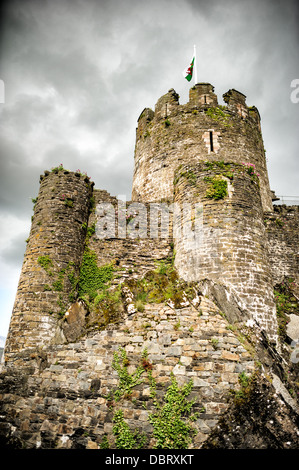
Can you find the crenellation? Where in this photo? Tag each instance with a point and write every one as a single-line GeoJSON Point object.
{"type": "Point", "coordinates": [167, 105]}
{"type": "Point", "coordinates": [202, 96]}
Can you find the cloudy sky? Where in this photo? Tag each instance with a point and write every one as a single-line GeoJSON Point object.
{"type": "Point", "coordinates": [77, 74]}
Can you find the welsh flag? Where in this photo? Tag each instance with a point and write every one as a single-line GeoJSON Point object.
{"type": "Point", "coordinates": [188, 72]}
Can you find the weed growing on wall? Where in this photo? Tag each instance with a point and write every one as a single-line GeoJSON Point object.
{"type": "Point", "coordinates": [286, 304]}
{"type": "Point", "coordinates": [217, 188]}
{"type": "Point", "coordinates": [251, 170]}
{"type": "Point", "coordinates": [46, 263]}
{"type": "Point", "coordinates": [225, 168]}
{"type": "Point", "coordinates": [242, 395]}
{"type": "Point", "coordinates": [188, 174]}
{"type": "Point", "coordinates": [161, 285]}
{"type": "Point", "coordinates": [58, 168]}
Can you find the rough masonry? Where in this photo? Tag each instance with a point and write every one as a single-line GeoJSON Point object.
{"type": "Point", "coordinates": [103, 325]}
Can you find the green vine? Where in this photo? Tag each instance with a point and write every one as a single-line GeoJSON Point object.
{"type": "Point", "coordinates": [172, 419]}
{"type": "Point", "coordinates": [93, 279]}
{"type": "Point", "coordinates": [125, 438]}
{"type": "Point", "coordinates": [126, 381]}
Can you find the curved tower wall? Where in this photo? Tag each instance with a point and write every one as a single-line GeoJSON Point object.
{"type": "Point", "coordinates": [229, 246]}
{"type": "Point", "coordinates": [52, 260]}
{"type": "Point", "coordinates": [200, 130]}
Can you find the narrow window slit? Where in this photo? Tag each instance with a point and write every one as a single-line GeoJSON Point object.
{"type": "Point", "coordinates": [211, 141]}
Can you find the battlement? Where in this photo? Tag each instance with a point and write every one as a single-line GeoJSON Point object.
{"type": "Point", "coordinates": [201, 98]}
{"type": "Point", "coordinates": [198, 130]}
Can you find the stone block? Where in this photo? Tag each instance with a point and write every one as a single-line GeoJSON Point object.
{"type": "Point", "coordinates": [179, 370]}
{"type": "Point", "coordinates": [174, 351]}
{"type": "Point", "coordinates": [230, 356]}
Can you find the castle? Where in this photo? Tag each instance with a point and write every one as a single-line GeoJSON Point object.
{"type": "Point", "coordinates": [196, 302]}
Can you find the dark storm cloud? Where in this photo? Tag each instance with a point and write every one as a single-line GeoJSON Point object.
{"type": "Point", "coordinates": [14, 252]}
{"type": "Point", "coordinates": [93, 66]}
{"type": "Point", "coordinates": [19, 181]}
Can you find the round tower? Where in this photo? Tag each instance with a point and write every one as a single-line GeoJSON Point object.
{"type": "Point", "coordinates": [177, 134]}
{"type": "Point", "coordinates": [227, 242]}
{"type": "Point", "coordinates": [52, 260]}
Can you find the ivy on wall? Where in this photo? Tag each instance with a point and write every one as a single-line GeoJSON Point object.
{"type": "Point", "coordinates": [173, 415]}
{"type": "Point", "coordinates": [92, 278]}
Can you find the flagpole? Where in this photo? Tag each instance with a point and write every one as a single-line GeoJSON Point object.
{"type": "Point", "coordinates": [195, 66]}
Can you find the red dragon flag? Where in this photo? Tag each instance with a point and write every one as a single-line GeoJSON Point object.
{"type": "Point", "coordinates": [188, 72]}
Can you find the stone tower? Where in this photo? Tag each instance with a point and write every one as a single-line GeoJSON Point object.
{"type": "Point", "coordinates": [181, 152]}
{"type": "Point", "coordinates": [51, 262]}
{"type": "Point", "coordinates": [200, 130]}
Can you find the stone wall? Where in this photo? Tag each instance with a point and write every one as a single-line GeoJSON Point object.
{"type": "Point", "coordinates": [199, 130]}
{"type": "Point", "coordinates": [282, 228]}
{"type": "Point", "coordinates": [133, 251]}
{"type": "Point", "coordinates": [61, 397]}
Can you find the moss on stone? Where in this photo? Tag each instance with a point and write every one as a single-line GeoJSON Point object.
{"type": "Point", "coordinates": [218, 114]}
{"type": "Point", "coordinates": [162, 285]}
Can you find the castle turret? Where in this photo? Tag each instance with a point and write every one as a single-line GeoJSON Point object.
{"type": "Point", "coordinates": [200, 130]}
{"type": "Point", "coordinates": [51, 264]}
